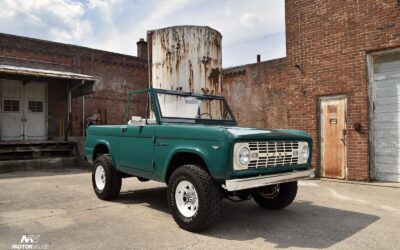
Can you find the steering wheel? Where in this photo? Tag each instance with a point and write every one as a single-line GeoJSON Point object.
{"type": "Point", "coordinates": [206, 114]}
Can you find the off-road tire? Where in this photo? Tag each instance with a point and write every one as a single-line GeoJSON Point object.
{"type": "Point", "coordinates": [286, 195]}
{"type": "Point", "coordinates": [209, 197]}
{"type": "Point", "coordinates": [113, 179]}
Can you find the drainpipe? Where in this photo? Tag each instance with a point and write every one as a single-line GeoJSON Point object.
{"type": "Point", "coordinates": [69, 118]}
{"type": "Point", "coordinates": [69, 113]}
{"type": "Point", "coordinates": [83, 117]}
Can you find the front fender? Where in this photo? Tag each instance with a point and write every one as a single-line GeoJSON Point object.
{"type": "Point", "coordinates": [213, 158]}
{"type": "Point", "coordinates": [90, 153]}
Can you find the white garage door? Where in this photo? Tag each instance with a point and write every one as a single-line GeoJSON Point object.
{"type": "Point", "coordinates": [386, 91]}
{"type": "Point", "coordinates": [11, 112]}
{"type": "Point", "coordinates": [23, 112]}
{"type": "Point", "coordinates": [35, 111]}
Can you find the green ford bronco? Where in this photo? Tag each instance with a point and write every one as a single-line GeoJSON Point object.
{"type": "Point", "coordinates": [192, 143]}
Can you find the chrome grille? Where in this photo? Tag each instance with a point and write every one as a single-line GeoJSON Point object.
{"type": "Point", "coordinates": [273, 153]}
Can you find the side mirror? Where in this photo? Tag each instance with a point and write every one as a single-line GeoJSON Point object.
{"type": "Point", "coordinates": [136, 120]}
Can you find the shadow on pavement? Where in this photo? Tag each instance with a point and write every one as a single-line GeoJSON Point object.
{"type": "Point", "coordinates": [44, 172]}
{"type": "Point", "coordinates": [302, 224]}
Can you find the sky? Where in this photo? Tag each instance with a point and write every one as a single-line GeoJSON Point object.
{"type": "Point", "coordinates": [248, 27]}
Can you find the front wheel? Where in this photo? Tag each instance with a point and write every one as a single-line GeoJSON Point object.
{"type": "Point", "coordinates": [194, 198]}
{"type": "Point", "coordinates": [276, 196]}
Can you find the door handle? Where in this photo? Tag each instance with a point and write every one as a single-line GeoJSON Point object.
{"type": "Point", "coordinates": [124, 129]}
{"type": "Point", "coordinates": [161, 144]}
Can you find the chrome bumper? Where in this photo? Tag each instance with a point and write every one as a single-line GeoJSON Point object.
{"type": "Point", "coordinates": [265, 180]}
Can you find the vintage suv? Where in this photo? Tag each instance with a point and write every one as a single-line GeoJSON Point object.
{"type": "Point", "coordinates": [192, 143]}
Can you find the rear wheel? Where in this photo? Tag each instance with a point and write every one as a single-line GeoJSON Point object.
{"type": "Point", "coordinates": [276, 196]}
{"type": "Point", "coordinates": [105, 179]}
{"type": "Point", "coordinates": [193, 198]}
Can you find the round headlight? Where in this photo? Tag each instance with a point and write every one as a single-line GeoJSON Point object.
{"type": "Point", "coordinates": [305, 152]}
{"type": "Point", "coordinates": [244, 156]}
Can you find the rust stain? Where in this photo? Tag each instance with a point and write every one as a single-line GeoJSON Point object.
{"type": "Point", "coordinates": [190, 76]}
{"type": "Point", "coordinates": [214, 79]}
{"type": "Point", "coordinates": [191, 57]}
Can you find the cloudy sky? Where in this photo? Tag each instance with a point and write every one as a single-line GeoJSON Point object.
{"type": "Point", "coordinates": [248, 27]}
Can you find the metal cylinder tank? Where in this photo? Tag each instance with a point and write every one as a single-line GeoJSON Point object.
{"type": "Point", "coordinates": [186, 58]}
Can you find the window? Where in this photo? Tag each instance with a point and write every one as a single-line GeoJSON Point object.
{"type": "Point", "coordinates": [35, 106]}
{"type": "Point", "coordinates": [193, 107]}
{"type": "Point", "coordinates": [11, 105]}
{"type": "Point", "coordinates": [140, 104]}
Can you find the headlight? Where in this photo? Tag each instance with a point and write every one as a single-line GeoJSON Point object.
{"type": "Point", "coordinates": [244, 156]}
{"type": "Point", "coordinates": [305, 152]}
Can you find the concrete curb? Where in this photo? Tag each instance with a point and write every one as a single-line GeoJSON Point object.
{"type": "Point", "coordinates": [41, 164]}
{"type": "Point", "coordinates": [375, 183]}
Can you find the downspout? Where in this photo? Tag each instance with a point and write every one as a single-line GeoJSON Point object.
{"type": "Point", "coordinates": [69, 112]}
{"type": "Point", "coordinates": [69, 118]}
{"type": "Point", "coordinates": [83, 117]}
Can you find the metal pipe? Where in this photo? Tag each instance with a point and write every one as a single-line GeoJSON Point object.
{"type": "Point", "coordinates": [83, 116]}
{"type": "Point", "coordinates": [69, 112]}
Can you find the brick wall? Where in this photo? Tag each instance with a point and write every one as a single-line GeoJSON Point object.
{"type": "Point", "coordinates": [327, 43]}
{"type": "Point", "coordinates": [117, 74]}
{"type": "Point", "coordinates": [254, 93]}
{"type": "Point", "coordinates": [57, 106]}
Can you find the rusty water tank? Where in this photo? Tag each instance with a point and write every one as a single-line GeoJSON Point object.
{"type": "Point", "coordinates": [186, 58]}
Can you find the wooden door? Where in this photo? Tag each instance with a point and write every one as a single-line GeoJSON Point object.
{"type": "Point", "coordinates": [333, 137]}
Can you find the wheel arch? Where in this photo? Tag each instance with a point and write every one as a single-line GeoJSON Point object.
{"type": "Point", "coordinates": [101, 147]}
{"type": "Point", "coordinates": [182, 157]}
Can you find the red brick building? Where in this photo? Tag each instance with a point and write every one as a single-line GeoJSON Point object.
{"type": "Point", "coordinates": [339, 82]}
{"type": "Point", "coordinates": [41, 82]}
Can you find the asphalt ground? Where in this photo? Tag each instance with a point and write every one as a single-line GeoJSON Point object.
{"type": "Point", "coordinates": [59, 210]}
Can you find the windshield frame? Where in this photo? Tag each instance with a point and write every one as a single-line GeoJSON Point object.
{"type": "Point", "coordinates": [192, 120]}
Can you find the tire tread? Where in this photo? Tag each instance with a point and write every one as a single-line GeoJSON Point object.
{"type": "Point", "coordinates": [113, 188]}
{"type": "Point", "coordinates": [287, 194]}
{"type": "Point", "coordinates": [212, 191]}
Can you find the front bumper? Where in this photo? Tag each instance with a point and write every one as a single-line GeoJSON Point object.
{"type": "Point", "coordinates": [265, 180]}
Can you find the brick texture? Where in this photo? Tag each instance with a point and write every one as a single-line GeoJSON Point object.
{"type": "Point", "coordinates": [117, 75]}
{"type": "Point", "coordinates": [327, 43]}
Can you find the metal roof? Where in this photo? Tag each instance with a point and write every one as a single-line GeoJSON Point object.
{"type": "Point", "coordinates": [17, 70]}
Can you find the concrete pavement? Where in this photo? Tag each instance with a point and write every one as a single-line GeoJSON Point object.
{"type": "Point", "coordinates": [62, 208]}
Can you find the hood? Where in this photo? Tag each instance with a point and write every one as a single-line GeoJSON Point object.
{"type": "Point", "coordinates": [242, 133]}
{"type": "Point", "coordinates": [208, 132]}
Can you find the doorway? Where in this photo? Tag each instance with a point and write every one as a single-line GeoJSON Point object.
{"type": "Point", "coordinates": [23, 113]}
{"type": "Point", "coordinates": [332, 111]}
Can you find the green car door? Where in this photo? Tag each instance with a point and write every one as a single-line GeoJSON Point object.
{"type": "Point", "coordinates": [136, 148]}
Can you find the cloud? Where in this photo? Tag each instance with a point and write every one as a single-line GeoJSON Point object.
{"type": "Point", "coordinates": [59, 20]}
{"type": "Point", "coordinates": [248, 27]}
{"type": "Point", "coordinates": [106, 8]}
{"type": "Point", "coordinates": [250, 19]}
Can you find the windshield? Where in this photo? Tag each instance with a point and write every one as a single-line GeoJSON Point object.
{"type": "Point", "coordinates": [193, 107]}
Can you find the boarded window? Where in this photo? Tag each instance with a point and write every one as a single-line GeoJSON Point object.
{"type": "Point", "coordinates": [11, 105]}
{"type": "Point", "coordinates": [35, 106]}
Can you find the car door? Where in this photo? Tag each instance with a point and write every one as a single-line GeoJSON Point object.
{"type": "Point", "coordinates": [137, 147]}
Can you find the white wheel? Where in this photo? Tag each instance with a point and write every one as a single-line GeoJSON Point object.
{"type": "Point", "coordinates": [194, 198]}
{"type": "Point", "coordinates": [100, 177]}
{"type": "Point", "coordinates": [186, 199]}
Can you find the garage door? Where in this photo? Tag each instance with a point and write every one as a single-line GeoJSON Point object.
{"type": "Point", "coordinates": [11, 128]}
{"type": "Point", "coordinates": [22, 111]}
{"type": "Point", "coordinates": [386, 91]}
